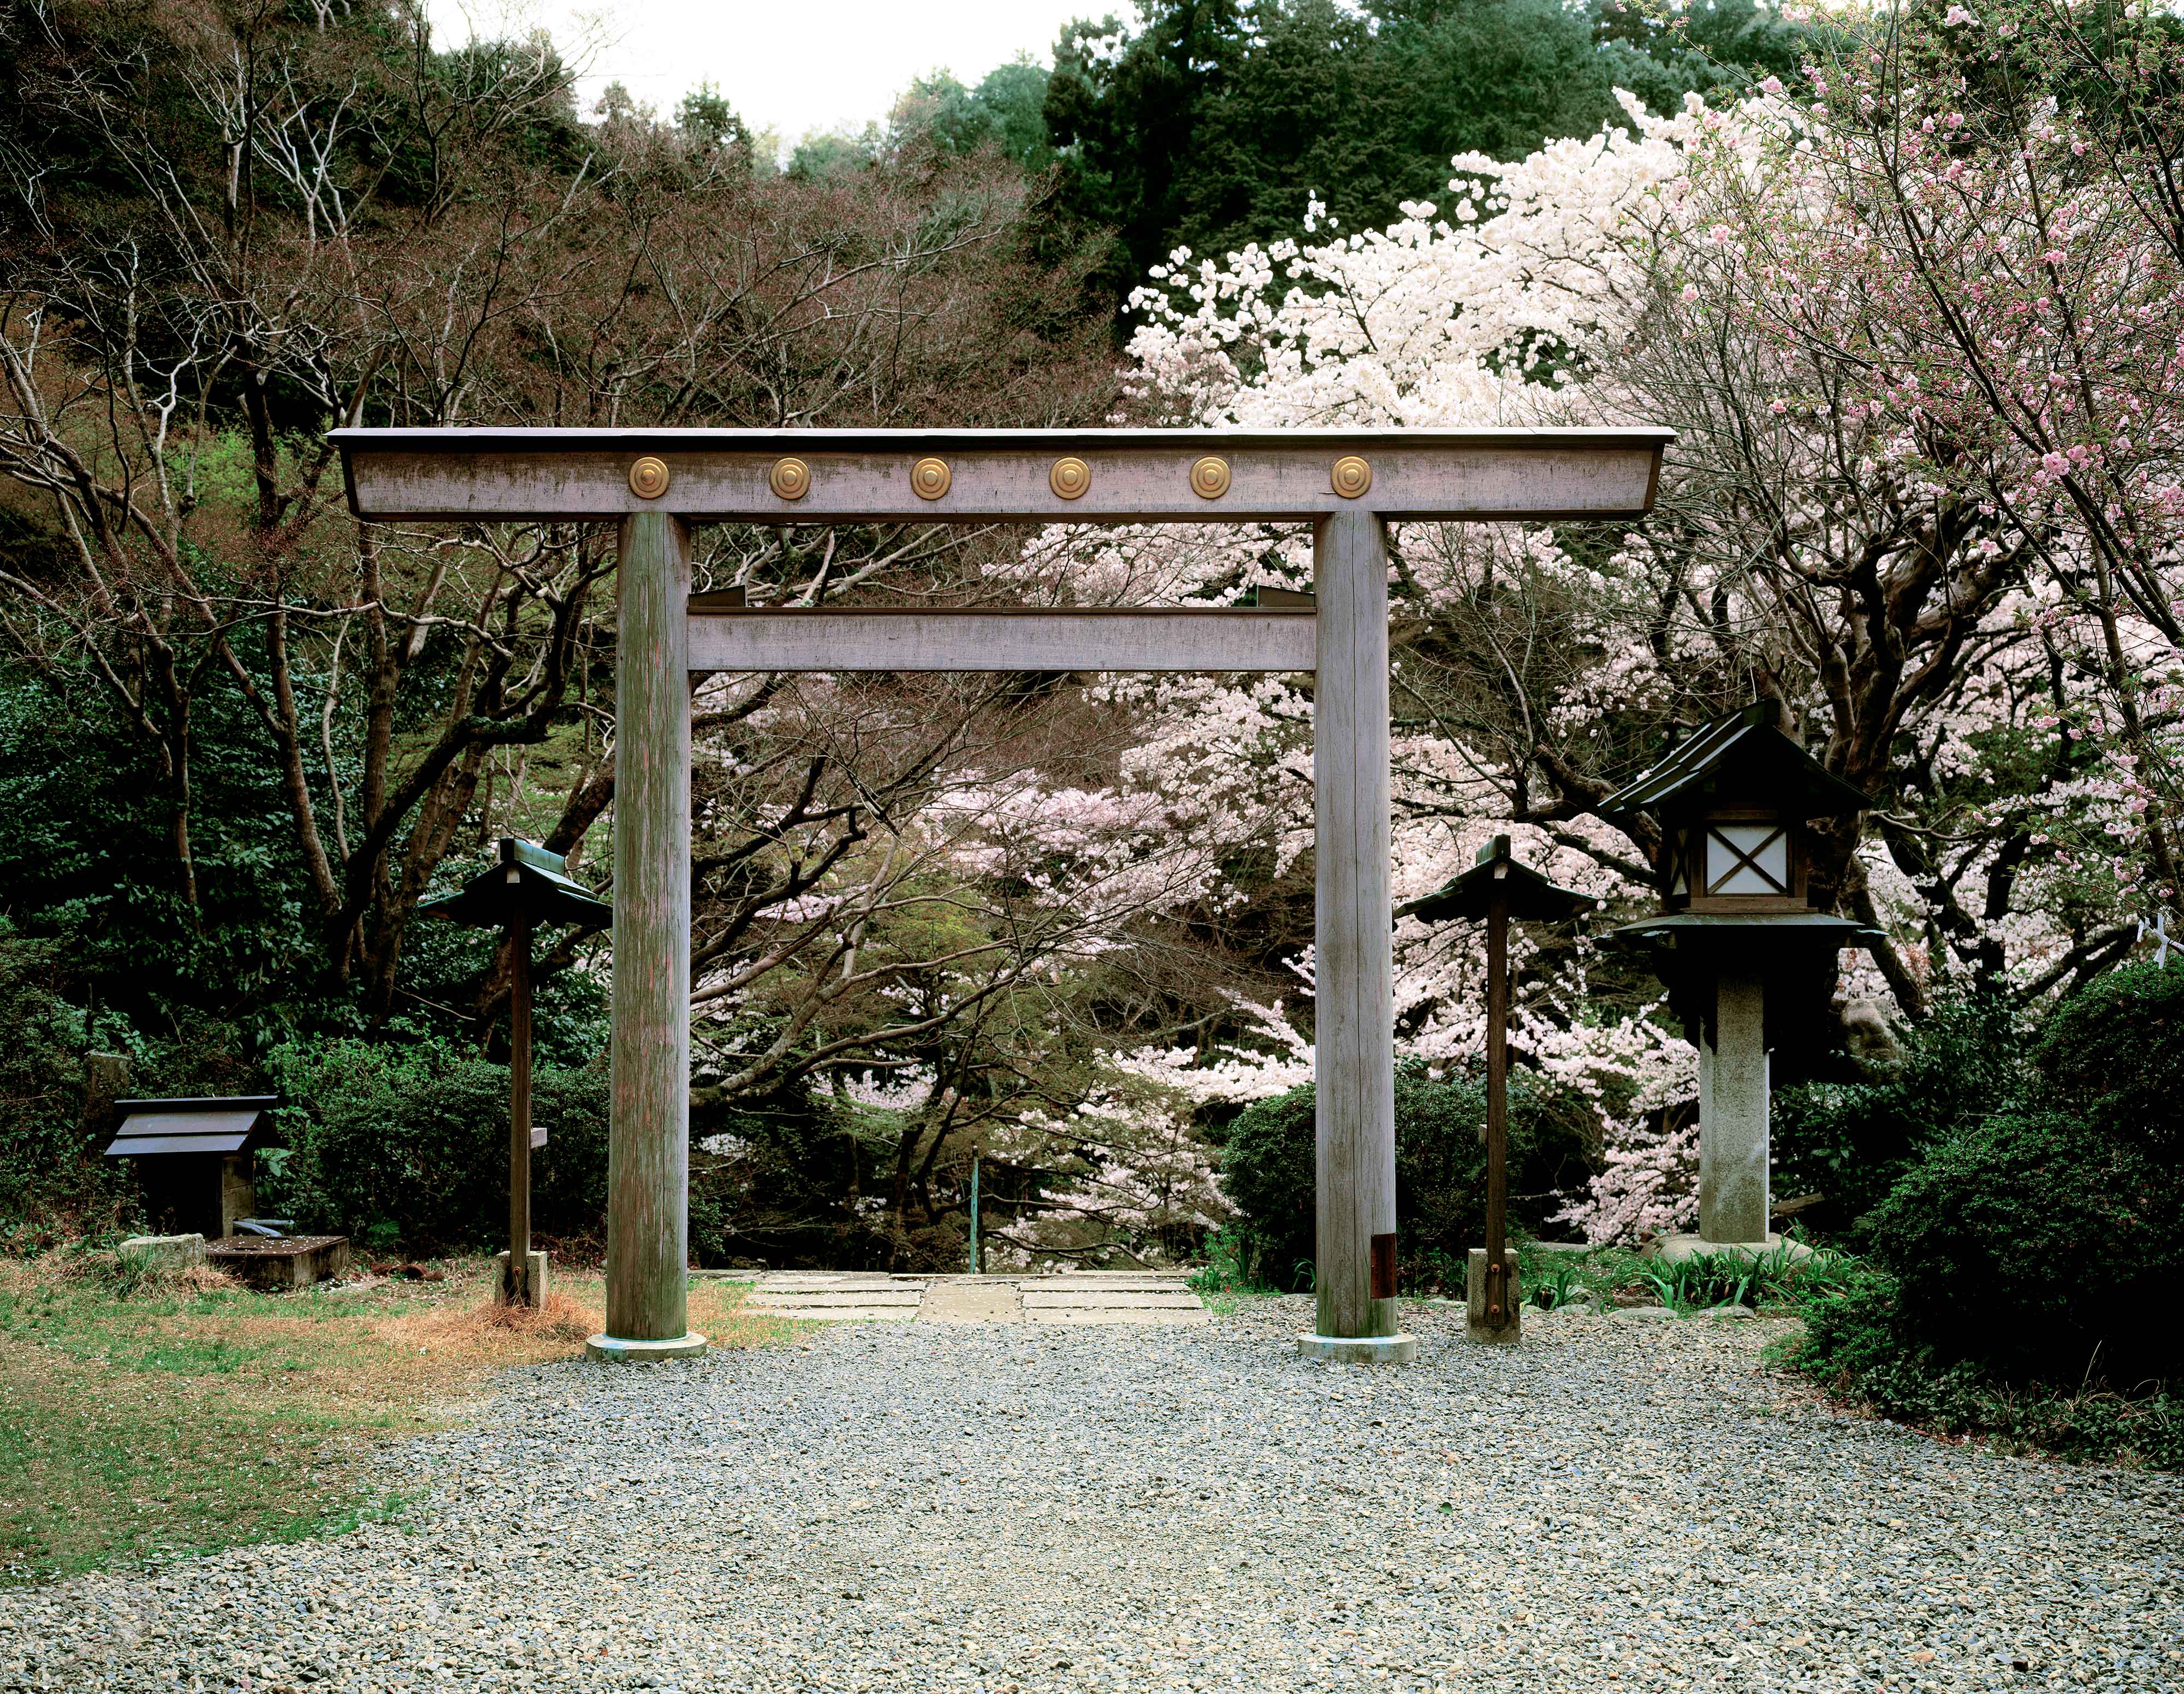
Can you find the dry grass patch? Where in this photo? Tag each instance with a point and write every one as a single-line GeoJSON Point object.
{"type": "Point", "coordinates": [179, 1412]}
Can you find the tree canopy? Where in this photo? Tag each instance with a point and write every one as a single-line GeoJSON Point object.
{"type": "Point", "coordinates": [1209, 126]}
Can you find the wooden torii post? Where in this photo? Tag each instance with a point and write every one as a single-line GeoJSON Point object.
{"type": "Point", "coordinates": [1347, 484]}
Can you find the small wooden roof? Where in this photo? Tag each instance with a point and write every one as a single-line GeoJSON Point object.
{"type": "Point", "coordinates": [231, 1125]}
{"type": "Point", "coordinates": [1531, 896]}
{"type": "Point", "coordinates": [1690, 932]}
{"type": "Point", "coordinates": [1741, 759]}
{"type": "Point", "coordinates": [525, 877]}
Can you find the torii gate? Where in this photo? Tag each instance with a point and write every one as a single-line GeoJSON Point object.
{"type": "Point", "coordinates": [1348, 484]}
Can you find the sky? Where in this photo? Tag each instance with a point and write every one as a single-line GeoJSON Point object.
{"type": "Point", "coordinates": [789, 66]}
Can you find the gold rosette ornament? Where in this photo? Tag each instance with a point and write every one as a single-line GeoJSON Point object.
{"type": "Point", "coordinates": [1069, 478]}
{"type": "Point", "coordinates": [1352, 477]}
{"type": "Point", "coordinates": [790, 478]}
{"type": "Point", "coordinates": [929, 478]}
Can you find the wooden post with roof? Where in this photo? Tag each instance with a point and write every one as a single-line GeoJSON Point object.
{"type": "Point", "coordinates": [1498, 888]}
{"type": "Point", "coordinates": [527, 886]}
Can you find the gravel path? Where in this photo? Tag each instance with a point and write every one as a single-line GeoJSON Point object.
{"type": "Point", "coordinates": [1621, 1503]}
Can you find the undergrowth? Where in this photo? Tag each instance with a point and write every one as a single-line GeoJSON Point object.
{"type": "Point", "coordinates": [1854, 1346]}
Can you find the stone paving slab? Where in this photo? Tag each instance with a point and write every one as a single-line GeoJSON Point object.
{"type": "Point", "coordinates": [1135, 1282]}
{"type": "Point", "coordinates": [839, 1279]}
{"type": "Point", "coordinates": [837, 1297]}
{"type": "Point", "coordinates": [1076, 1297]}
{"type": "Point", "coordinates": [1161, 1316]}
{"type": "Point", "coordinates": [972, 1299]}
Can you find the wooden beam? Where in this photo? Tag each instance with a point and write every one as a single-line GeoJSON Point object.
{"type": "Point", "coordinates": [911, 638]}
{"type": "Point", "coordinates": [1129, 475]}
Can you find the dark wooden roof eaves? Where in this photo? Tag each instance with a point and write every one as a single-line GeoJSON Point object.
{"type": "Point", "coordinates": [489, 898]}
{"type": "Point", "coordinates": [1790, 776]}
{"type": "Point", "coordinates": [1532, 898]}
{"type": "Point", "coordinates": [151, 1126]}
{"type": "Point", "coordinates": [1675, 928]}
{"type": "Point", "coordinates": [137, 1146]}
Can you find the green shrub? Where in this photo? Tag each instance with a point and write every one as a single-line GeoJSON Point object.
{"type": "Point", "coordinates": [1850, 1142]}
{"type": "Point", "coordinates": [408, 1146]}
{"type": "Point", "coordinates": [52, 1180]}
{"type": "Point", "coordinates": [2031, 1233]}
{"type": "Point", "coordinates": [1858, 1345]}
{"type": "Point", "coordinates": [2040, 1249]}
{"type": "Point", "coordinates": [2114, 1054]}
{"type": "Point", "coordinates": [1267, 1166]}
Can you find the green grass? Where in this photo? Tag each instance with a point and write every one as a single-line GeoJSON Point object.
{"type": "Point", "coordinates": [1224, 1281]}
{"type": "Point", "coordinates": [1778, 1278]}
{"type": "Point", "coordinates": [1595, 1277]}
{"type": "Point", "coordinates": [1550, 1278]}
{"type": "Point", "coordinates": [143, 1417]}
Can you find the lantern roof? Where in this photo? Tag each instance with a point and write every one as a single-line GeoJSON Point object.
{"type": "Point", "coordinates": [1742, 759]}
{"type": "Point", "coordinates": [525, 877]}
{"type": "Point", "coordinates": [1472, 893]}
{"type": "Point", "coordinates": [1685, 930]}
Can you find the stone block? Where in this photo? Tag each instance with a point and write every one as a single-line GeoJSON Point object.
{"type": "Point", "coordinates": [537, 1262]}
{"type": "Point", "coordinates": [1476, 1324]}
{"type": "Point", "coordinates": [285, 1262]}
{"type": "Point", "coordinates": [162, 1252]}
{"type": "Point", "coordinates": [1675, 1248]}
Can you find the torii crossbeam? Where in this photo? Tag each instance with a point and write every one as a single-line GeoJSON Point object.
{"type": "Point", "coordinates": [1348, 484]}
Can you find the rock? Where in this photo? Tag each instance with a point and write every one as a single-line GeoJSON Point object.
{"type": "Point", "coordinates": [162, 1253]}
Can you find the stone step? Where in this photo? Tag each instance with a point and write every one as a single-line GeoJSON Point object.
{"type": "Point", "coordinates": [971, 1300]}
{"type": "Point", "coordinates": [1163, 1316]}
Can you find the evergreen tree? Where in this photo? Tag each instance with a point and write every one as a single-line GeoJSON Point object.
{"type": "Point", "coordinates": [1210, 126]}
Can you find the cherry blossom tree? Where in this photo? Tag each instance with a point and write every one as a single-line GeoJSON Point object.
{"type": "Point", "coordinates": [1916, 325]}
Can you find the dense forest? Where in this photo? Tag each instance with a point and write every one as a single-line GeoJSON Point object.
{"type": "Point", "coordinates": [1912, 310]}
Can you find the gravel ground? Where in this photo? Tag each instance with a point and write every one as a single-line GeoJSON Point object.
{"type": "Point", "coordinates": [1622, 1503]}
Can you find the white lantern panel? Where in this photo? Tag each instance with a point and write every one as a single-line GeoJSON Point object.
{"type": "Point", "coordinates": [1750, 858]}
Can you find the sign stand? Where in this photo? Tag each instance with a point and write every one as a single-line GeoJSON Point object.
{"type": "Point", "coordinates": [1498, 888]}
{"type": "Point", "coordinates": [526, 886]}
